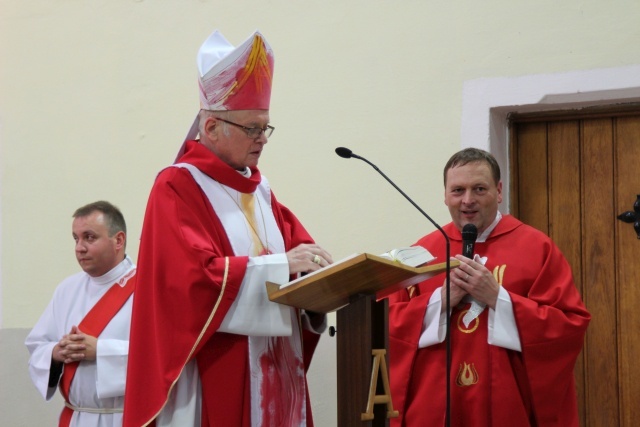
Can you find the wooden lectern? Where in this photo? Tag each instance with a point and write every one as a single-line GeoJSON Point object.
{"type": "Point", "coordinates": [354, 287]}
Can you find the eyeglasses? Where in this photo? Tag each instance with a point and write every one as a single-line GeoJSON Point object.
{"type": "Point", "coordinates": [252, 133]}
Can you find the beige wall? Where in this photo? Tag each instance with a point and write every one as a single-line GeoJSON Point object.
{"type": "Point", "coordinates": [96, 96]}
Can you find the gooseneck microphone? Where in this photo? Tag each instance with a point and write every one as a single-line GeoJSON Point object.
{"type": "Point", "coordinates": [469, 236]}
{"type": "Point", "coordinates": [347, 154]}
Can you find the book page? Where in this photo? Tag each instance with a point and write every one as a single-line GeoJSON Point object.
{"type": "Point", "coordinates": [412, 256]}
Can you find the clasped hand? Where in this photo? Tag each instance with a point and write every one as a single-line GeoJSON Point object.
{"type": "Point", "coordinates": [75, 346]}
{"type": "Point", "coordinates": [474, 279]}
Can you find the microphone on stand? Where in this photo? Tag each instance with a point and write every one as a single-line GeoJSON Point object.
{"type": "Point", "coordinates": [347, 154]}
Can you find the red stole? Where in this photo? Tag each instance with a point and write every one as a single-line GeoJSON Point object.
{"type": "Point", "coordinates": [93, 324]}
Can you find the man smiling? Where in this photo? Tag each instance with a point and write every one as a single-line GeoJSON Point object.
{"type": "Point", "coordinates": [517, 323]}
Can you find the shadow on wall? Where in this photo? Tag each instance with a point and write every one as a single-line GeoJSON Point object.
{"type": "Point", "coordinates": [20, 403]}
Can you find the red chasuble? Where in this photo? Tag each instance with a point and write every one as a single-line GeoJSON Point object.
{"type": "Point", "coordinates": [188, 277]}
{"type": "Point", "coordinates": [490, 385]}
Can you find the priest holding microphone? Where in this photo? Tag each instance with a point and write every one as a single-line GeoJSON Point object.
{"type": "Point", "coordinates": [517, 322]}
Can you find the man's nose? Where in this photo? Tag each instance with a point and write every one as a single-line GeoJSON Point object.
{"type": "Point", "coordinates": [262, 138]}
{"type": "Point", "coordinates": [467, 198]}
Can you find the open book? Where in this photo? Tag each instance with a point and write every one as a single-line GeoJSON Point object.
{"type": "Point", "coordinates": [412, 256]}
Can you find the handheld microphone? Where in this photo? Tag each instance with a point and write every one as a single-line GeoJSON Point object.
{"type": "Point", "coordinates": [346, 153]}
{"type": "Point", "coordinates": [469, 236]}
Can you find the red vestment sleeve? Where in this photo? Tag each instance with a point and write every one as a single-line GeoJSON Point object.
{"type": "Point", "coordinates": [552, 321]}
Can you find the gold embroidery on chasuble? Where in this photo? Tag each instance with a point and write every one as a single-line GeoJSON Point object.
{"type": "Point", "coordinates": [498, 273]}
{"type": "Point", "coordinates": [472, 326]}
{"type": "Point", "coordinates": [467, 375]}
{"type": "Point", "coordinates": [412, 291]}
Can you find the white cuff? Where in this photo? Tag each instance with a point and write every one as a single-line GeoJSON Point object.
{"type": "Point", "coordinates": [252, 313]}
{"type": "Point", "coordinates": [503, 331]}
{"type": "Point", "coordinates": [434, 323]}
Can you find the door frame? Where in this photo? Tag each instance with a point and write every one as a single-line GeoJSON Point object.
{"type": "Point", "coordinates": [487, 104]}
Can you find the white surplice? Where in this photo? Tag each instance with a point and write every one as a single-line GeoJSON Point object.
{"type": "Point", "coordinates": [99, 383]}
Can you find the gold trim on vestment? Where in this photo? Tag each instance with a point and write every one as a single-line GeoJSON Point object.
{"type": "Point", "coordinates": [94, 410]}
{"type": "Point", "coordinates": [206, 326]}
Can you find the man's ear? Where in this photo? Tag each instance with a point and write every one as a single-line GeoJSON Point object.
{"type": "Point", "coordinates": [121, 239]}
{"type": "Point", "coordinates": [210, 125]}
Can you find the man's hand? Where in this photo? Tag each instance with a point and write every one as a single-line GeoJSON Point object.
{"type": "Point", "coordinates": [75, 346]}
{"type": "Point", "coordinates": [476, 280]}
{"type": "Point", "coordinates": [456, 294]}
{"type": "Point", "coordinates": [307, 257]}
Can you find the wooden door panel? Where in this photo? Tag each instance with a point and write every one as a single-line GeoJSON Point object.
{"type": "Point", "coordinates": [571, 177]}
{"type": "Point", "coordinates": [565, 219]}
{"type": "Point", "coordinates": [628, 266]}
{"type": "Point", "coordinates": [532, 162]}
{"type": "Point", "coordinates": [598, 283]}
{"type": "Point", "coordinates": [563, 146]}
{"type": "Point", "coordinates": [565, 208]}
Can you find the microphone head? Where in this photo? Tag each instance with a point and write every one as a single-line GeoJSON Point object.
{"type": "Point", "coordinates": [469, 233]}
{"type": "Point", "coordinates": [344, 152]}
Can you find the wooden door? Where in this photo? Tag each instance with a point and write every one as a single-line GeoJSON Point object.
{"type": "Point", "coordinates": [571, 177]}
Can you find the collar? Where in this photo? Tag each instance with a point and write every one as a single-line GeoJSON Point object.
{"type": "Point", "coordinates": [485, 234]}
{"type": "Point", "coordinates": [112, 276]}
{"type": "Point", "coordinates": [204, 159]}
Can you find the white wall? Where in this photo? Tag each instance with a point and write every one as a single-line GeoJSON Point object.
{"type": "Point", "coordinates": [96, 96]}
